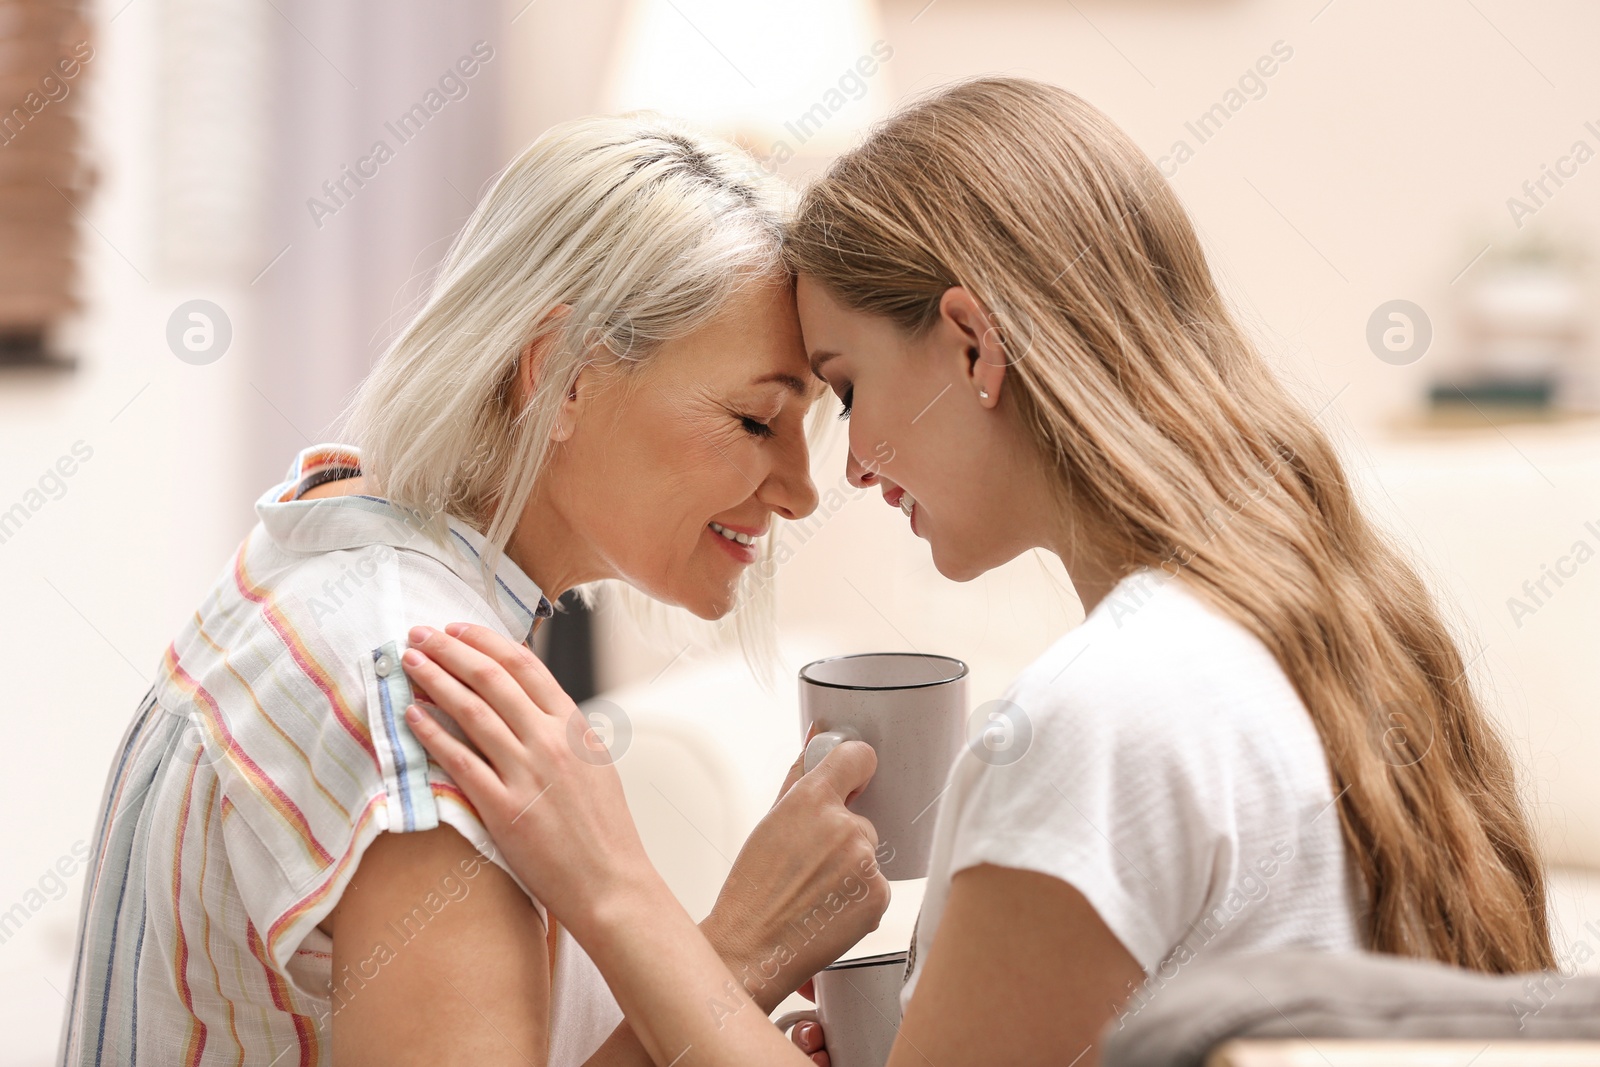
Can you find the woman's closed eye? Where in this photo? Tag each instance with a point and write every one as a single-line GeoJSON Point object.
{"type": "Point", "coordinates": [847, 398]}
{"type": "Point", "coordinates": [755, 427]}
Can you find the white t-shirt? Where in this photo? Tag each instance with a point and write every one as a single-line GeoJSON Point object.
{"type": "Point", "coordinates": [1172, 776]}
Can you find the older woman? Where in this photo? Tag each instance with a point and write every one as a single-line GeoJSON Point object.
{"type": "Point", "coordinates": [280, 874]}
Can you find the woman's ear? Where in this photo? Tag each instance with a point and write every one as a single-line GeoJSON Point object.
{"type": "Point", "coordinates": [530, 370]}
{"type": "Point", "coordinates": [980, 337]}
{"type": "Point", "coordinates": [571, 404]}
{"type": "Point", "coordinates": [529, 363]}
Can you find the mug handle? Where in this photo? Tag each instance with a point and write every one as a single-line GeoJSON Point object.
{"type": "Point", "coordinates": [789, 1019]}
{"type": "Point", "coordinates": [819, 746]}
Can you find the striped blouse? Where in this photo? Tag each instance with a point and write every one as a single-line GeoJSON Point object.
{"type": "Point", "coordinates": [270, 752]}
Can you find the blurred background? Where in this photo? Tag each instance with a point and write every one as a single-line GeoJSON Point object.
{"type": "Point", "coordinates": [213, 214]}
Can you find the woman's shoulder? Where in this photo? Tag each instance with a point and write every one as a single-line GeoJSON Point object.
{"type": "Point", "coordinates": [290, 675]}
{"type": "Point", "coordinates": [361, 596]}
{"type": "Point", "coordinates": [1156, 666]}
{"type": "Point", "coordinates": [292, 662]}
{"type": "Point", "coordinates": [342, 598]}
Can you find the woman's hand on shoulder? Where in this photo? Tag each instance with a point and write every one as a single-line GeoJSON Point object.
{"type": "Point", "coordinates": [543, 785]}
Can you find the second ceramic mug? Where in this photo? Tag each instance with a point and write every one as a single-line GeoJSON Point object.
{"type": "Point", "coordinates": [858, 1006]}
{"type": "Point", "coordinates": [910, 707]}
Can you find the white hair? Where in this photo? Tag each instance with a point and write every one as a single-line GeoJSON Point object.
{"type": "Point", "coordinates": [644, 228]}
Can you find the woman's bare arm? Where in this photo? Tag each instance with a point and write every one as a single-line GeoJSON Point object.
{"type": "Point", "coordinates": [438, 957]}
{"type": "Point", "coordinates": [623, 1048]}
{"type": "Point", "coordinates": [1022, 971]}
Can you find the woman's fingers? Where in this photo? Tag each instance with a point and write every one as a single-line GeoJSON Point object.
{"type": "Point", "coordinates": [807, 1036]}
{"type": "Point", "coordinates": [463, 765]}
{"type": "Point", "coordinates": [866, 829]}
{"type": "Point", "coordinates": [481, 721]}
{"type": "Point", "coordinates": [847, 769]}
{"type": "Point", "coordinates": [479, 673]}
{"type": "Point", "coordinates": [797, 769]}
{"type": "Point", "coordinates": [519, 662]}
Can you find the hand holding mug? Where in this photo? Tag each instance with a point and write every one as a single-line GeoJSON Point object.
{"type": "Point", "coordinates": [806, 884]}
{"type": "Point", "coordinates": [857, 1016]}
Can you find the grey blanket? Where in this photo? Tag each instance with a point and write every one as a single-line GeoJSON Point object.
{"type": "Point", "coordinates": [1175, 1023]}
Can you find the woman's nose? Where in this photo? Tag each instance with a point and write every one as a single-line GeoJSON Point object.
{"type": "Point", "coordinates": [789, 490]}
{"type": "Point", "coordinates": [859, 474]}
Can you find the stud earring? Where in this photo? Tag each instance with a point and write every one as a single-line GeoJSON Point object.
{"type": "Point", "coordinates": [983, 394]}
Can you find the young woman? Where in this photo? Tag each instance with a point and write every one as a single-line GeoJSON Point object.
{"type": "Point", "coordinates": [1262, 736]}
{"type": "Point", "coordinates": [607, 381]}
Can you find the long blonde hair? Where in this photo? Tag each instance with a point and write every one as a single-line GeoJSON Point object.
{"type": "Point", "coordinates": [1171, 433]}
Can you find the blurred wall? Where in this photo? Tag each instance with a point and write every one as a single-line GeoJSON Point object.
{"type": "Point", "coordinates": [384, 130]}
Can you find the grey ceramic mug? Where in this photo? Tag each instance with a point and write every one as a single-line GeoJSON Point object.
{"type": "Point", "coordinates": [910, 707]}
{"type": "Point", "coordinates": [858, 1006]}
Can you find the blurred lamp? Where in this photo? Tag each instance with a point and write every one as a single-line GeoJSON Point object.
{"type": "Point", "coordinates": [782, 79]}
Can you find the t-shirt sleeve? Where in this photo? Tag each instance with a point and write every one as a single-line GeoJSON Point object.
{"type": "Point", "coordinates": [314, 760]}
{"type": "Point", "coordinates": [1107, 799]}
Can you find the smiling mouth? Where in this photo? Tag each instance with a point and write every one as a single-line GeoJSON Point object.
{"type": "Point", "coordinates": [736, 536]}
{"type": "Point", "coordinates": [740, 544]}
{"type": "Point", "coordinates": [898, 497]}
